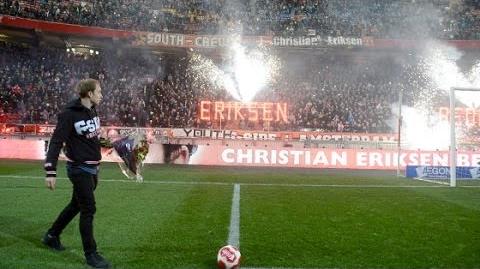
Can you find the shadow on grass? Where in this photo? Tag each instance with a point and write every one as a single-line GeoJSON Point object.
{"type": "Point", "coordinates": [28, 235]}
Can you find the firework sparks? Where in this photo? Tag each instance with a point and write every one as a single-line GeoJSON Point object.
{"type": "Point", "coordinates": [439, 72]}
{"type": "Point", "coordinates": [245, 74]}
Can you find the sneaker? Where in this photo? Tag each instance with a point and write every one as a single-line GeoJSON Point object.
{"type": "Point", "coordinates": [52, 242]}
{"type": "Point", "coordinates": [96, 261]}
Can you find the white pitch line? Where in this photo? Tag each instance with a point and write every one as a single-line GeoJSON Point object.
{"type": "Point", "coordinates": [234, 229]}
{"type": "Point", "coordinates": [432, 181]}
{"type": "Point", "coordinates": [131, 181]}
{"type": "Point", "coordinates": [255, 184]}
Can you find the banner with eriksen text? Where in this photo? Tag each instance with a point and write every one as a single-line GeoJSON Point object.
{"type": "Point", "coordinates": [261, 156]}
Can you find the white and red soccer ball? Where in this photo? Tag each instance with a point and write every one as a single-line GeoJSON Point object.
{"type": "Point", "coordinates": [228, 257]}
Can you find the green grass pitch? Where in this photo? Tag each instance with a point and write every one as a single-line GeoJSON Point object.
{"type": "Point", "coordinates": [289, 218]}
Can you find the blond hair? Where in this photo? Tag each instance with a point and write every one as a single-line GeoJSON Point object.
{"type": "Point", "coordinates": [85, 86]}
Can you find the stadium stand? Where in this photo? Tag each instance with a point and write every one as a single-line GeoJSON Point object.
{"type": "Point", "coordinates": [377, 18]}
{"type": "Point", "coordinates": [344, 93]}
{"type": "Point", "coordinates": [329, 92]}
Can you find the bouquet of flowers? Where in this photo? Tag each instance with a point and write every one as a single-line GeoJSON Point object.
{"type": "Point", "coordinates": [132, 149]}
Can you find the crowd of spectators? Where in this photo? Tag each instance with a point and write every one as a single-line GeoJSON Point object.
{"type": "Point", "coordinates": [338, 95]}
{"type": "Point", "coordinates": [36, 83]}
{"type": "Point", "coordinates": [342, 94]}
{"type": "Point", "coordinates": [445, 19]}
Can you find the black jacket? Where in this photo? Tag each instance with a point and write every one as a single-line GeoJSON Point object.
{"type": "Point", "coordinates": [79, 128]}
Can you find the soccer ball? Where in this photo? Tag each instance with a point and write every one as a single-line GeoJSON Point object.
{"type": "Point", "coordinates": [228, 258]}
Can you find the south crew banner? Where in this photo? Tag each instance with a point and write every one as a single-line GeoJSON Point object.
{"type": "Point", "coordinates": [161, 39]}
{"type": "Point", "coordinates": [213, 41]}
{"type": "Point", "coordinates": [248, 155]}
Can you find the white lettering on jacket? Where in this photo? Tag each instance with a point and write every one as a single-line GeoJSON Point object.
{"type": "Point", "coordinates": [88, 127]}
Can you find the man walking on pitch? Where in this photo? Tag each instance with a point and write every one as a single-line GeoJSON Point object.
{"type": "Point", "coordinates": [78, 127]}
